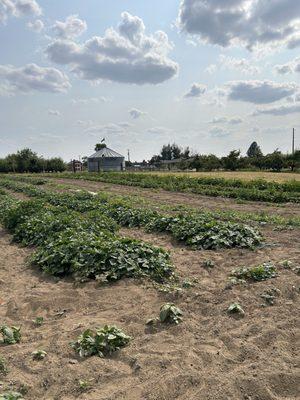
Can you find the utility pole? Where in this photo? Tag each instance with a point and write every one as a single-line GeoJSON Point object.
{"type": "Point", "coordinates": [293, 150]}
{"type": "Point", "coordinates": [293, 142]}
{"type": "Point", "coordinates": [128, 153]}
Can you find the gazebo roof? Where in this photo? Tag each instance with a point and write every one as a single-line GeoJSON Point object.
{"type": "Point", "coordinates": [106, 152]}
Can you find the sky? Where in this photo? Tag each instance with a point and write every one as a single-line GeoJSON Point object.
{"type": "Point", "coordinates": [213, 75]}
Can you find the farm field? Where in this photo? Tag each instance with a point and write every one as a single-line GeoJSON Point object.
{"type": "Point", "coordinates": [279, 177]}
{"type": "Point", "coordinates": [64, 258]}
{"type": "Point", "coordinates": [240, 189]}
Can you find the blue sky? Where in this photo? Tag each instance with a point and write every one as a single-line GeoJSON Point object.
{"type": "Point", "coordinates": [210, 75]}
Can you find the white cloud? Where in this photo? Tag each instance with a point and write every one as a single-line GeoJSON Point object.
{"type": "Point", "coordinates": [108, 129]}
{"type": "Point", "coordinates": [294, 42]}
{"type": "Point", "coordinates": [84, 123]}
{"type": "Point", "coordinates": [32, 77]}
{"type": "Point", "coordinates": [46, 138]}
{"type": "Point", "coordinates": [18, 8]}
{"type": "Point", "coordinates": [125, 55]}
{"type": "Point", "coordinates": [36, 26]}
{"type": "Point", "coordinates": [54, 113]}
{"type": "Point", "coordinates": [217, 132]}
{"type": "Point", "coordinates": [196, 90]}
{"type": "Point", "coordinates": [238, 64]}
{"type": "Point", "coordinates": [260, 92]}
{"type": "Point", "coordinates": [71, 28]}
{"type": "Point", "coordinates": [227, 120]}
{"type": "Point", "coordinates": [279, 110]}
{"type": "Point", "coordinates": [211, 69]}
{"type": "Point", "coordinates": [159, 130]}
{"type": "Point", "coordinates": [288, 68]}
{"type": "Point", "coordinates": [244, 22]}
{"type": "Point", "coordinates": [90, 100]}
{"type": "Point", "coordinates": [135, 113]}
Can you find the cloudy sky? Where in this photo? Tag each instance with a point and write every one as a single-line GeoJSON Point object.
{"type": "Point", "coordinates": [211, 74]}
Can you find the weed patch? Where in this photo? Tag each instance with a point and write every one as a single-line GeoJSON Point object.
{"type": "Point", "coordinates": [101, 342]}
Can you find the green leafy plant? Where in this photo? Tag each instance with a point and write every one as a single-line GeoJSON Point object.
{"type": "Point", "coordinates": [270, 295]}
{"type": "Point", "coordinates": [11, 396]}
{"type": "Point", "coordinates": [38, 321]}
{"type": "Point", "coordinates": [208, 264]}
{"type": "Point", "coordinates": [3, 367]}
{"type": "Point", "coordinates": [39, 354]}
{"type": "Point", "coordinates": [170, 313]}
{"type": "Point", "coordinates": [235, 308]}
{"type": "Point", "coordinates": [10, 335]}
{"type": "Point", "coordinates": [257, 273]}
{"type": "Point", "coordinates": [101, 342]}
{"type": "Point", "coordinates": [83, 385]}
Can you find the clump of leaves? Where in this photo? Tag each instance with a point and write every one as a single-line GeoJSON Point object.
{"type": "Point", "coordinates": [235, 308]}
{"type": "Point", "coordinates": [10, 335]}
{"type": "Point", "coordinates": [270, 295]}
{"type": "Point", "coordinates": [39, 354]}
{"type": "Point", "coordinates": [187, 283]}
{"type": "Point", "coordinates": [170, 313]}
{"type": "Point", "coordinates": [3, 367]}
{"type": "Point", "coordinates": [83, 385]}
{"type": "Point", "coordinates": [88, 255]}
{"type": "Point", "coordinates": [11, 396]}
{"type": "Point", "coordinates": [287, 264]}
{"type": "Point", "coordinates": [101, 342]}
{"type": "Point", "coordinates": [38, 321]}
{"type": "Point", "coordinates": [208, 264]}
{"type": "Point", "coordinates": [257, 273]}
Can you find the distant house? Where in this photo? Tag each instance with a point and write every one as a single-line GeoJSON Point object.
{"type": "Point", "coordinates": [75, 166]}
{"type": "Point", "coordinates": [175, 164]}
{"type": "Point", "coordinates": [106, 159]}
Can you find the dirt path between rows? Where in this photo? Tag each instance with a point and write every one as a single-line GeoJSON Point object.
{"type": "Point", "coordinates": [209, 356]}
{"type": "Point", "coordinates": [186, 199]}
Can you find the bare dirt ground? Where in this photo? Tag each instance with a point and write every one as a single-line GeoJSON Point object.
{"type": "Point", "coordinates": [186, 199]}
{"type": "Point", "coordinates": [209, 356]}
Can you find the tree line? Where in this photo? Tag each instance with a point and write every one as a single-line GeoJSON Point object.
{"type": "Point", "coordinates": [255, 159]}
{"type": "Point", "coordinates": [27, 161]}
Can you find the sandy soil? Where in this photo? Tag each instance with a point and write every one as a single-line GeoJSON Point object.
{"type": "Point", "coordinates": [209, 356]}
{"type": "Point", "coordinates": [186, 199]}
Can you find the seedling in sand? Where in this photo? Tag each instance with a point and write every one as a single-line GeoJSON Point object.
{"type": "Point", "coordinates": [39, 354]}
{"type": "Point", "coordinates": [11, 335]}
{"type": "Point", "coordinates": [84, 385]}
{"type": "Point", "coordinates": [101, 342]}
{"type": "Point", "coordinates": [235, 308]}
{"type": "Point", "coordinates": [3, 367]}
{"type": "Point", "coordinates": [270, 295]}
{"type": "Point", "coordinates": [38, 321]}
{"type": "Point", "coordinates": [208, 264]}
{"type": "Point", "coordinates": [170, 313]}
{"type": "Point", "coordinates": [258, 273]}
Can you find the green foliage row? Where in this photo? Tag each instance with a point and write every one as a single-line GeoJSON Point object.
{"type": "Point", "coordinates": [255, 190]}
{"type": "Point", "coordinates": [202, 231]}
{"type": "Point", "coordinates": [80, 244]}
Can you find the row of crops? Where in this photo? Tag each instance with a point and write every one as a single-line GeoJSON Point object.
{"type": "Point", "coordinates": [255, 190]}
{"type": "Point", "coordinates": [201, 231]}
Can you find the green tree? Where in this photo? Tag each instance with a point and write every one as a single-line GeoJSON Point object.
{"type": "Point", "coordinates": [100, 146]}
{"type": "Point", "coordinates": [275, 161]}
{"type": "Point", "coordinates": [232, 161]}
{"type": "Point", "coordinates": [254, 150]}
{"type": "Point", "coordinates": [55, 164]}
